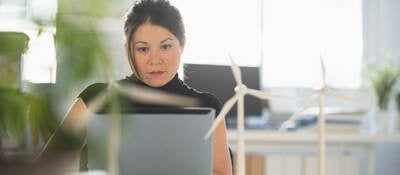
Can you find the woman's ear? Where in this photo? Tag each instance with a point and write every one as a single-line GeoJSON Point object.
{"type": "Point", "coordinates": [127, 49]}
{"type": "Point", "coordinates": [183, 45]}
{"type": "Point", "coordinates": [126, 45]}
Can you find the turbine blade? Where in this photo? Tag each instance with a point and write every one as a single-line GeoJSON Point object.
{"type": "Point", "coordinates": [323, 70]}
{"type": "Point", "coordinates": [306, 105]}
{"type": "Point", "coordinates": [350, 100]}
{"type": "Point", "coordinates": [264, 95]}
{"type": "Point", "coordinates": [236, 72]}
{"type": "Point", "coordinates": [151, 96]}
{"type": "Point", "coordinates": [225, 109]}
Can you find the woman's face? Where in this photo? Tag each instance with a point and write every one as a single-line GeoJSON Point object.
{"type": "Point", "coordinates": [157, 54]}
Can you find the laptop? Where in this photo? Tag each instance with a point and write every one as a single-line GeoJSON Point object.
{"type": "Point", "coordinates": [155, 141]}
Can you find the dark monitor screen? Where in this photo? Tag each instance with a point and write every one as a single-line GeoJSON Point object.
{"type": "Point", "coordinates": [219, 80]}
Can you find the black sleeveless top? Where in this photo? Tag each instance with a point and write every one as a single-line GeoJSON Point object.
{"type": "Point", "coordinates": [175, 86]}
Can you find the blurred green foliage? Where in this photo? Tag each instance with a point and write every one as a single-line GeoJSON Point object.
{"type": "Point", "coordinates": [13, 109]}
{"type": "Point", "coordinates": [383, 77]}
{"type": "Point", "coordinates": [22, 109]}
{"type": "Point", "coordinates": [81, 55]}
{"type": "Point", "coordinates": [13, 102]}
{"type": "Point", "coordinates": [398, 101]}
{"type": "Point", "coordinates": [12, 45]}
{"type": "Point", "coordinates": [42, 118]}
{"type": "Point", "coordinates": [80, 51]}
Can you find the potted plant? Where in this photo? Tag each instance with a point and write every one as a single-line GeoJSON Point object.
{"type": "Point", "coordinates": [14, 44]}
{"type": "Point", "coordinates": [382, 79]}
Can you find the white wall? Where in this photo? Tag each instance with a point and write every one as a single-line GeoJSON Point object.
{"type": "Point", "coordinates": [382, 26]}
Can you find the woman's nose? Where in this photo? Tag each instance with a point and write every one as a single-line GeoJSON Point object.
{"type": "Point", "coordinates": [155, 58]}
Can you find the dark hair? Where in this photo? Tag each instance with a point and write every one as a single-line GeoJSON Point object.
{"type": "Point", "coordinates": [156, 12]}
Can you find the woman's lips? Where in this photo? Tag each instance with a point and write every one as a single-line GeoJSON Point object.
{"type": "Point", "coordinates": [156, 73]}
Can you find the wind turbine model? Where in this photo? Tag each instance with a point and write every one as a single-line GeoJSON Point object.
{"type": "Point", "coordinates": [319, 95]}
{"type": "Point", "coordinates": [137, 93]}
{"type": "Point", "coordinates": [241, 90]}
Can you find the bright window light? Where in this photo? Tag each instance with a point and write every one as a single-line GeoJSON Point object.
{"type": "Point", "coordinates": [286, 36]}
{"type": "Point", "coordinates": [297, 33]}
{"type": "Point", "coordinates": [217, 29]}
{"type": "Point", "coordinates": [39, 61]}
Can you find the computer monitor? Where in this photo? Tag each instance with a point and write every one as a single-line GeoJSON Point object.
{"type": "Point", "coordinates": [219, 80]}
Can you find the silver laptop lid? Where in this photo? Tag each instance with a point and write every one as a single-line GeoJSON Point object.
{"type": "Point", "coordinates": [155, 141]}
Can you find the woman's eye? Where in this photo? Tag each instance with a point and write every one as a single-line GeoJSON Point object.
{"type": "Point", "coordinates": [166, 46]}
{"type": "Point", "coordinates": [142, 49]}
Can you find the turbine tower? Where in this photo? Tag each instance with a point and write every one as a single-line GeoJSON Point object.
{"type": "Point", "coordinates": [240, 91]}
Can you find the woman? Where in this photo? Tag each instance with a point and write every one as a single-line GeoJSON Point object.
{"type": "Point", "coordinates": [155, 39]}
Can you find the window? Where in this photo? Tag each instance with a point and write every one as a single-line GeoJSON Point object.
{"type": "Point", "coordinates": [217, 29]}
{"type": "Point", "coordinates": [296, 33]}
{"type": "Point", "coordinates": [39, 61]}
{"type": "Point", "coordinates": [285, 37]}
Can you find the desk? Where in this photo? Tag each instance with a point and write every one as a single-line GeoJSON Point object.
{"type": "Point", "coordinates": [274, 141]}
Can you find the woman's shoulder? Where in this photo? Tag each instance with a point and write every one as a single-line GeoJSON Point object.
{"type": "Point", "coordinates": [207, 96]}
{"type": "Point", "coordinates": [210, 100]}
{"type": "Point", "coordinates": [91, 91]}
{"type": "Point", "coordinates": [207, 99]}
{"type": "Point", "coordinates": [94, 89]}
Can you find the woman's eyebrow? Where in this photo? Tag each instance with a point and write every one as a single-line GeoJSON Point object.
{"type": "Point", "coordinates": [166, 39]}
{"type": "Point", "coordinates": [141, 42]}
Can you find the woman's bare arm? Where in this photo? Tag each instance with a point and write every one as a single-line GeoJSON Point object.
{"type": "Point", "coordinates": [222, 159]}
{"type": "Point", "coordinates": [76, 118]}
{"type": "Point", "coordinates": [73, 123]}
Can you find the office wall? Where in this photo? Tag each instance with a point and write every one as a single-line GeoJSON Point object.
{"type": "Point", "coordinates": [382, 26]}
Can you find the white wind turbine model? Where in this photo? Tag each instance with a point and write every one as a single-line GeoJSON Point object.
{"type": "Point", "coordinates": [319, 95]}
{"type": "Point", "coordinates": [241, 90]}
{"type": "Point", "coordinates": [139, 94]}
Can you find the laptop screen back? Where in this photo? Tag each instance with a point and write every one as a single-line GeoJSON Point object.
{"type": "Point", "coordinates": [160, 141]}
